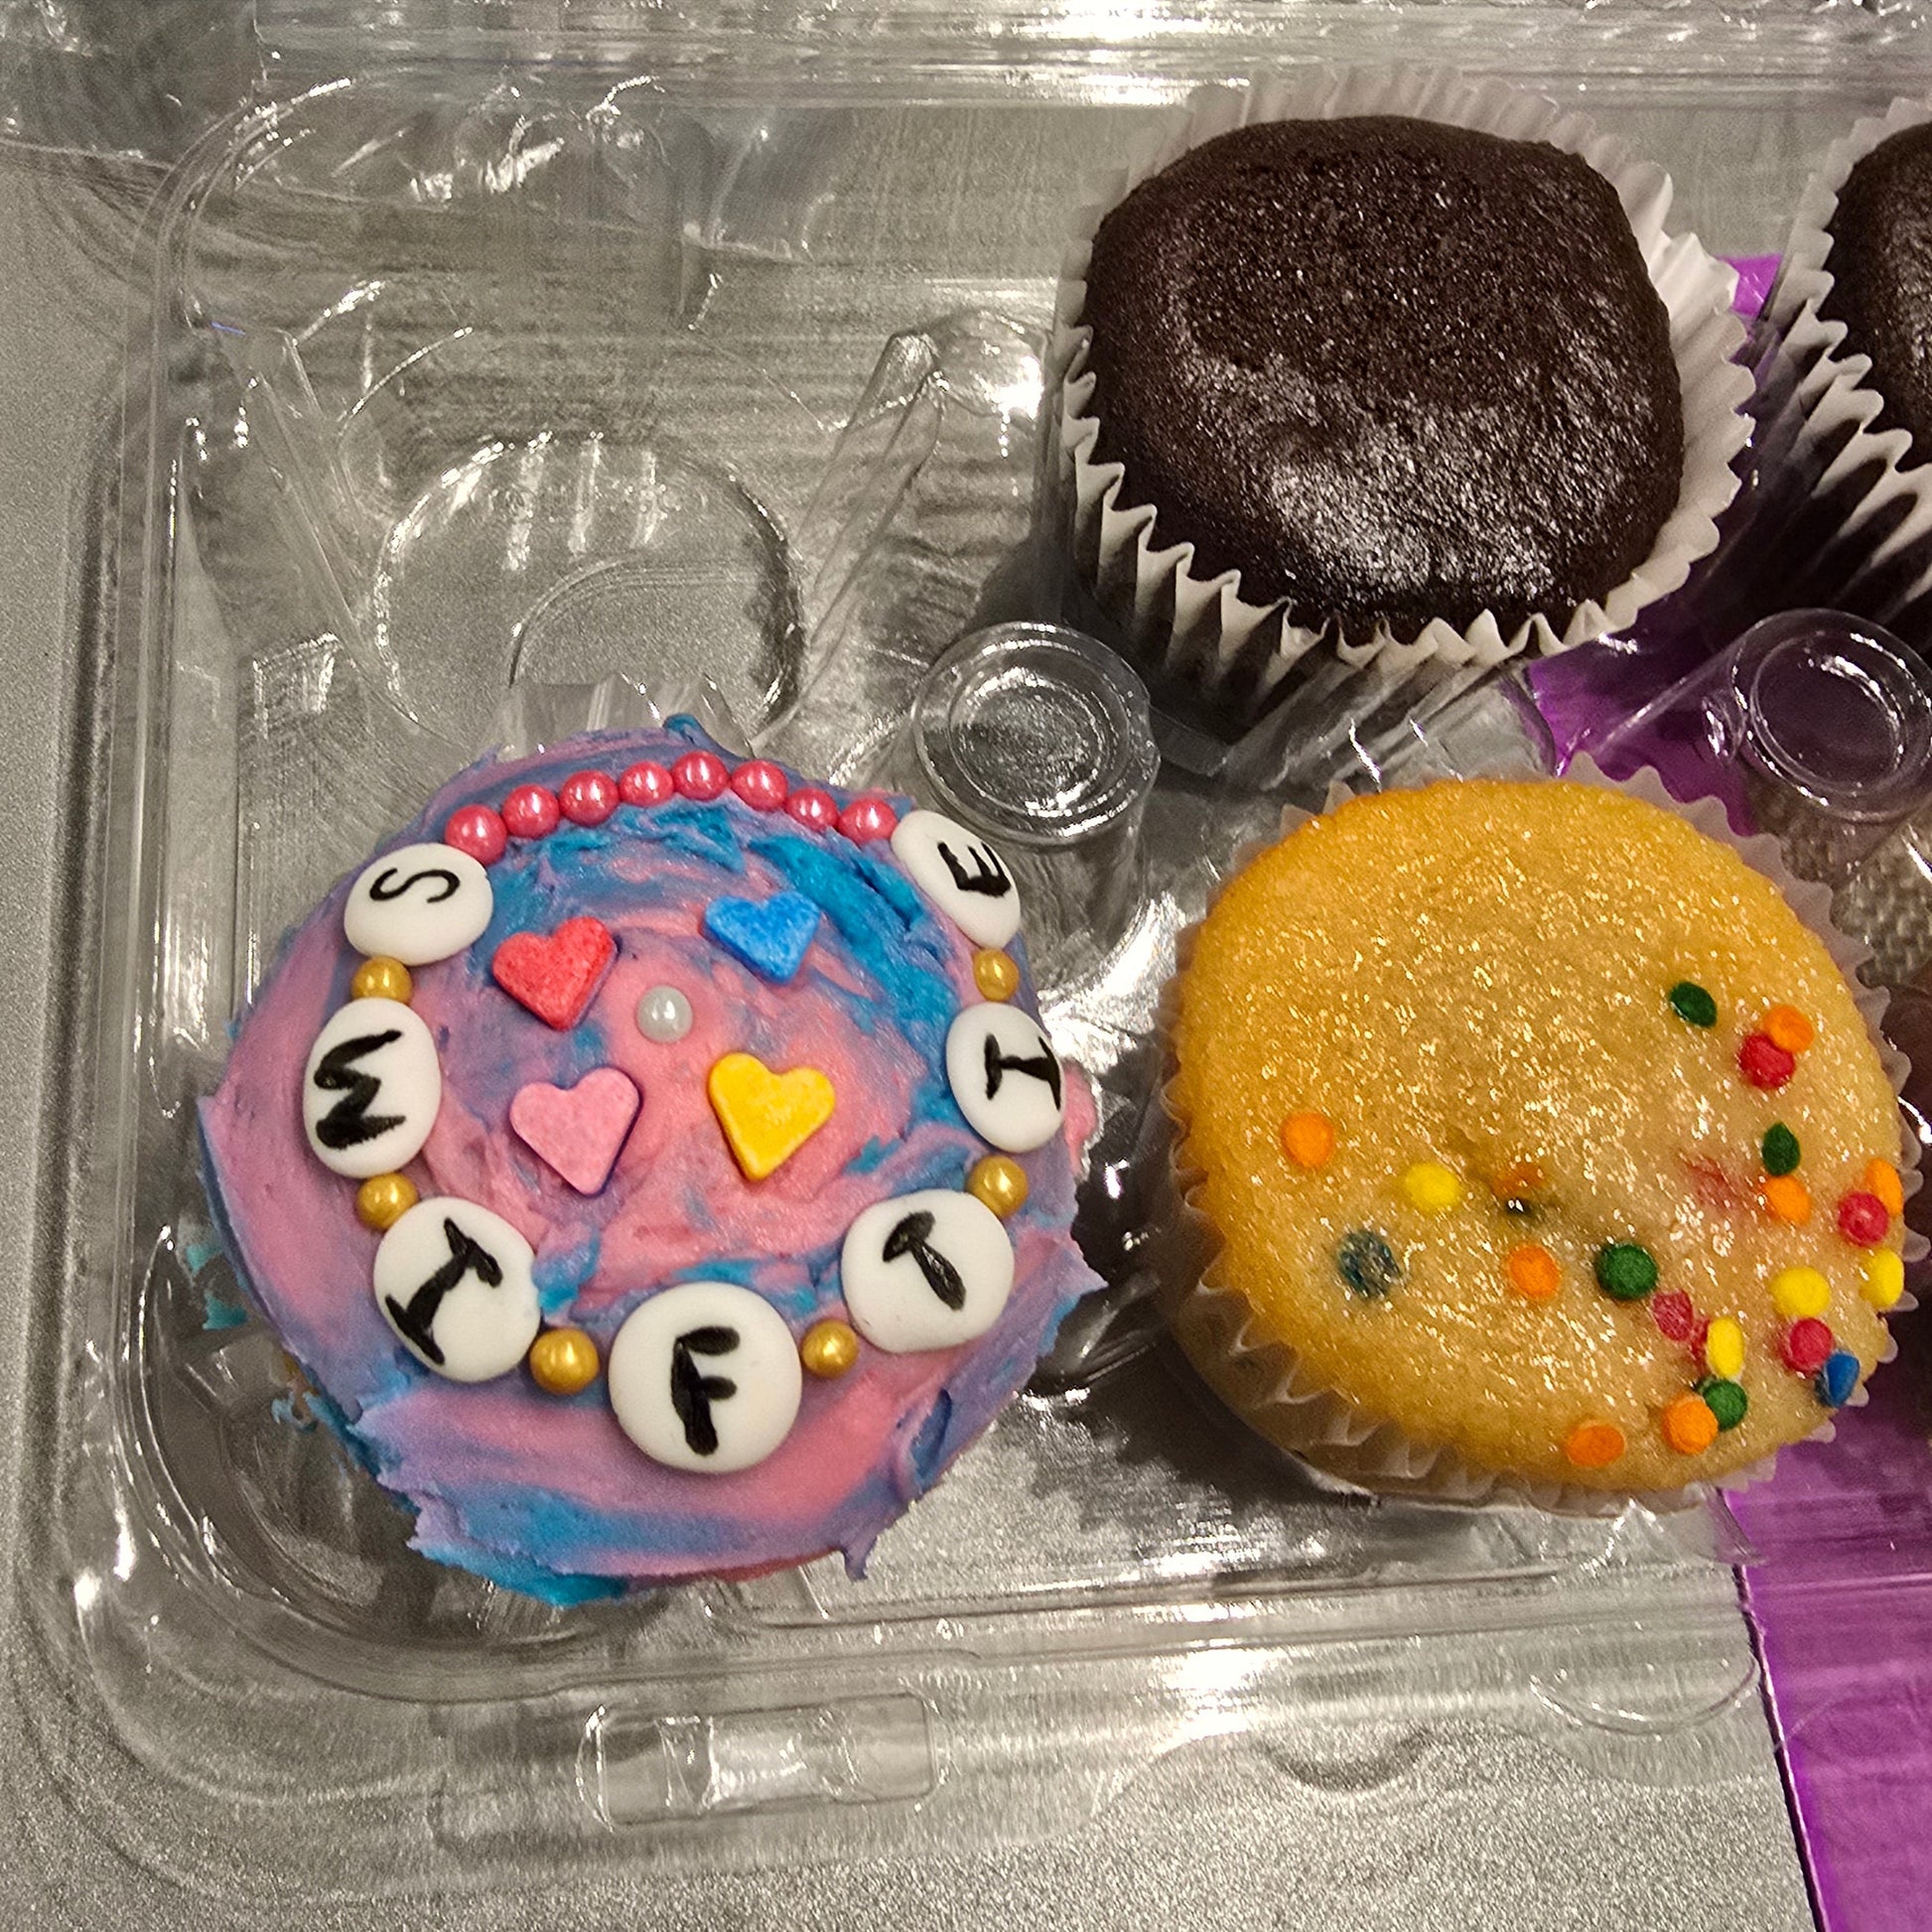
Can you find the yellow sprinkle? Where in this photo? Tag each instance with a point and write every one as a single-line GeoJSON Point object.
{"type": "Point", "coordinates": [381, 978]}
{"type": "Point", "coordinates": [1432, 1187]}
{"type": "Point", "coordinates": [562, 1361]}
{"type": "Point", "coordinates": [384, 1199]}
{"type": "Point", "coordinates": [999, 1184]}
{"type": "Point", "coordinates": [829, 1349]}
{"type": "Point", "coordinates": [1724, 1348]}
{"type": "Point", "coordinates": [995, 974]}
{"type": "Point", "coordinates": [1884, 1278]}
{"type": "Point", "coordinates": [1797, 1292]}
{"type": "Point", "coordinates": [1881, 1178]}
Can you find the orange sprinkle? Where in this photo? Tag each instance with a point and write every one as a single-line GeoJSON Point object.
{"type": "Point", "coordinates": [1690, 1425]}
{"type": "Point", "coordinates": [1786, 1198]}
{"type": "Point", "coordinates": [1881, 1178]}
{"type": "Point", "coordinates": [1786, 1026]}
{"type": "Point", "coordinates": [1532, 1272]}
{"type": "Point", "coordinates": [1594, 1445]}
{"type": "Point", "coordinates": [1309, 1139]}
{"type": "Point", "coordinates": [1519, 1181]}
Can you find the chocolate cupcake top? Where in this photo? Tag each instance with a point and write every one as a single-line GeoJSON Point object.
{"type": "Point", "coordinates": [1880, 264]}
{"type": "Point", "coordinates": [1388, 369]}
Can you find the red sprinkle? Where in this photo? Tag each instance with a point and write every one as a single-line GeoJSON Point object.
{"type": "Point", "coordinates": [701, 774]}
{"type": "Point", "coordinates": [476, 830]}
{"type": "Point", "coordinates": [645, 784]}
{"type": "Point", "coordinates": [1863, 1219]}
{"type": "Point", "coordinates": [588, 797]}
{"type": "Point", "coordinates": [870, 817]}
{"type": "Point", "coordinates": [1806, 1347]}
{"type": "Point", "coordinates": [762, 784]}
{"type": "Point", "coordinates": [1765, 1063]}
{"type": "Point", "coordinates": [818, 809]}
{"type": "Point", "coordinates": [530, 813]}
{"type": "Point", "coordinates": [1676, 1319]}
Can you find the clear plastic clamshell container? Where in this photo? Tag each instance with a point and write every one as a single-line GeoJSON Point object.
{"type": "Point", "coordinates": [499, 379]}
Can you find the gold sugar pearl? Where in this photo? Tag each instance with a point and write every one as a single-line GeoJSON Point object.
{"type": "Point", "coordinates": [384, 1199]}
{"type": "Point", "coordinates": [995, 974]}
{"type": "Point", "coordinates": [829, 1349]}
{"type": "Point", "coordinates": [999, 1183]}
{"type": "Point", "coordinates": [562, 1361]}
{"type": "Point", "coordinates": [381, 979]}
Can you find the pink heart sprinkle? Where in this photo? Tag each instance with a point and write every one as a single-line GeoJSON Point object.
{"type": "Point", "coordinates": [579, 1131]}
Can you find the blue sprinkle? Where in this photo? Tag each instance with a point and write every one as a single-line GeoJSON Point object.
{"type": "Point", "coordinates": [772, 937]}
{"type": "Point", "coordinates": [218, 1312]}
{"type": "Point", "coordinates": [1367, 1263]}
{"type": "Point", "coordinates": [1835, 1382]}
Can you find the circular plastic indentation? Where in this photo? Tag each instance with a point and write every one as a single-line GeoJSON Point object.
{"type": "Point", "coordinates": [1839, 710]}
{"type": "Point", "coordinates": [1036, 733]}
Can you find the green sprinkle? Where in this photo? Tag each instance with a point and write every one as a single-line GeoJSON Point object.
{"type": "Point", "coordinates": [1367, 1263]}
{"type": "Point", "coordinates": [1725, 1400]}
{"type": "Point", "coordinates": [1780, 1150]}
{"type": "Point", "coordinates": [1624, 1271]}
{"type": "Point", "coordinates": [1689, 1000]}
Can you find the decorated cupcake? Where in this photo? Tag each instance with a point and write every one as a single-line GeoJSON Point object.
{"type": "Point", "coordinates": [1323, 387]}
{"type": "Point", "coordinates": [1538, 1145]}
{"type": "Point", "coordinates": [656, 1165]}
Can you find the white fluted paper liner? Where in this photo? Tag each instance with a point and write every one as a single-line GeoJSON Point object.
{"type": "Point", "coordinates": [1266, 1382]}
{"type": "Point", "coordinates": [1200, 631]}
{"type": "Point", "coordinates": [1818, 407]}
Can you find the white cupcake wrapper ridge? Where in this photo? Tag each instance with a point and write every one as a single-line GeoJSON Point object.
{"type": "Point", "coordinates": [1818, 408]}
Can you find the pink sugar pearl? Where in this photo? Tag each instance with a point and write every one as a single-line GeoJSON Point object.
{"type": "Point", "coordinates": [476, 830]}
{"type": "Point", "coordinates": [531, 812]}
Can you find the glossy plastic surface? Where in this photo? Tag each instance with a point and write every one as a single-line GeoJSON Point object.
{"type": "Point", "coordinates": [471, 405]}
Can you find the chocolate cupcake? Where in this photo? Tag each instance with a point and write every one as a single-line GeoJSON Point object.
{"type": "Point", "coordinates": [1846, 473]}
{"type": "Point", "coordinates": [1400, 381]}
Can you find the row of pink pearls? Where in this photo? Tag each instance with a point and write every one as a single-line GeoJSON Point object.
{"type": "Point", "coordinates": [589, 798]}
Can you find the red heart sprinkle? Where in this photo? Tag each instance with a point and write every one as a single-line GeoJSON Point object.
{"type": "Point", "coordinates": [557, 977]}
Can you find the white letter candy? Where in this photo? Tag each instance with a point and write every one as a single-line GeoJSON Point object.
{"type": "Point", "coordinates": [418, 904]}
{"type": "Point", "coordinates": [925, 1271]}
{"type": "Point", "coordinates": [453, 1281]}
{"type": "Point", "coordinates": [705, 1376]}
{"type": "Point", "coordinates": [1004, 1077]}
{"type": "Point", "coordinates": [371, 1088]}
{"type": "Point", "coordinates": [961, 874]}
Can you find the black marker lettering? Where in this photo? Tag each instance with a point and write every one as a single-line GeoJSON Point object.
{"type": "Point", "coordinates": [381, 891]}
{"type": "Point", "coordinates": [348, 1123]}
{"type": "Point", "coordinates": [1042, 1067]}
{"type": "Point", "coordinates": [911, 1238]}
{"type": "Point", "coordinates": [693, 1392]}
{"type": "Point", "coordinates": [467, 1257]}
{"type": "Point", "coordinates": [988, 876]}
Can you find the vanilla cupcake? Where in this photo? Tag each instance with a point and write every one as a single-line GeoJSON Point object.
{"type": "Point", "coordinates": [1539, 1146]}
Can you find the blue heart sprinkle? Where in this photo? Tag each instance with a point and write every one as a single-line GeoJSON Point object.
{"type": "Point", "coordinates": [770, 938]}
{"type": "Point", "coordinates": [1837, 1379]}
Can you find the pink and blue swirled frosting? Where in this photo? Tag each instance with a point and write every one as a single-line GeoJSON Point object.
{"type": "Point", "coordinates": [544, 1493]}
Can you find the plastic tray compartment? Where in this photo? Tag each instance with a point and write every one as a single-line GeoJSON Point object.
{"type": "Point", "coordinates": [457, 386]}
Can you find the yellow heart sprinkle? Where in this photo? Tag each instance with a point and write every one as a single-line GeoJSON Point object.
{"type": "Point", "coordinates": [767, 1117]}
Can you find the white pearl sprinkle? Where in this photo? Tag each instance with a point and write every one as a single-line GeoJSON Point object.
{"type": "Point", "coordinates": [664, 1015]}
